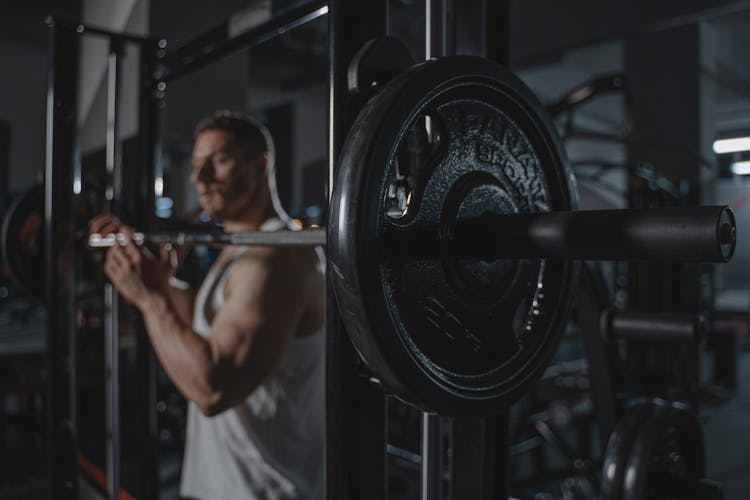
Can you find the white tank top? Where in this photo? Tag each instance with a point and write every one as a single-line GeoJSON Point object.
{"type": "Point", "coordinates": [271, 446]}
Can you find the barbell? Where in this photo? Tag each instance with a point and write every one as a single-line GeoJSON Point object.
{"type": "Point", "coordinates": [690, 234]}
{"type": "Point", "coordinates": [453, 238]}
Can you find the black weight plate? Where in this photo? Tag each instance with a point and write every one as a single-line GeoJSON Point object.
{"type": "Point", "coordinates": [668, 446]}
{"type": "Point", "coordinates": [23, 242]}
{"type": "Point", "coordinates": [619, 447]}
{"type": "Point", "coordinates": [448, 140]}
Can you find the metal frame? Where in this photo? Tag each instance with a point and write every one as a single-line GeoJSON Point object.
{"type": "Point", "coordinates": [149, 147]}
{"type": "Point", "coordinates": [113, 195]}
{"type": "Point", "coordinates": [62, 356]}
{"type": "Point", "coordinates": [62, 183]}
{"type": "Point", "coordinates": [432, 466]}
{"type": "Point", "coordinates": [356, 468]}
{"type": "Point", "coordinates": [221, 42]}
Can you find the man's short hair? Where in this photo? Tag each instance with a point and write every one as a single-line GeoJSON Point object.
{"type": "Point", "coordinates": [250, 134]}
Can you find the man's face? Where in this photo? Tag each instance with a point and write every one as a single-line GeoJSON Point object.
{"type": "Point", "coordinates": [223, 177]}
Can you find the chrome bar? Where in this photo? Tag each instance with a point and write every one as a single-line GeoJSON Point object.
{"type": "Point", "coordinates": [302, 238]}
{"type": "Point", "coordinates": [431, 483]}
{"type": "Point", "coordinates": [112, 392]}
{"type": "Point", "coordinates": [113, 193]}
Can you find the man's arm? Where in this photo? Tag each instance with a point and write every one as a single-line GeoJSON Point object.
{"type": "Point", "coordinates": [160, 266]}
{"type": "Point", "coordinates": [182, 299]}
{"type": "Point", "coordinates": [264, 301]}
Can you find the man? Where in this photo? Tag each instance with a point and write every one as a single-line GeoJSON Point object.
{"type": "Point", "coordinates": [246, 350]}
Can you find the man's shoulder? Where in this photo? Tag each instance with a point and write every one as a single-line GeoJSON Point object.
{"type": "Point", "coordinates": [277, 259]}
{"type": "Point", "coordinates": [287, 271]}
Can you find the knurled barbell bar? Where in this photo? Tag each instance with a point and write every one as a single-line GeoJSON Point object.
{"type": "Point", "coordinates": [302, 238]}
{"type": "Point", "coordinates": [454, 241]}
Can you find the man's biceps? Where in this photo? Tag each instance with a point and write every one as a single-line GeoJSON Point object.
{"type": "Point", "coordinates": [247, 294]}
{"type": "Point", "coordinates": [229, 335]}
{"type": "Point", "coordinates": [266, 301]}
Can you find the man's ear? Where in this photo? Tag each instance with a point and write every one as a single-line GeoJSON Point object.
{"type": "Point", "coordinates": [261, 163]}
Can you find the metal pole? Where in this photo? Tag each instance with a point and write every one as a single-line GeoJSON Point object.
{"type": "Point", "coordinates": [62, 399]}
{"type": "Point", "coordinates": [592, 297]}
{"type": "Point", "coordinates": [113, 189]}
{"type": "Point", "coordinates": [112, 392]}
{"type": "Point", "coordinates": [431, 470]}
{"type": "Point", "coordinates": [356, 468]}
{"type": "Point", "coordinates": [438, 35]}
{"type": "Point", "coordinates": [149, 146]}
{"type": "Point", "coordinates": [220, 42]}
{"type": "Point", "coordinates": [432, 458]}
{"type": "Point", "coordinates": [478, 460]}
{"type": "Point", "coordinates": [113, 193]}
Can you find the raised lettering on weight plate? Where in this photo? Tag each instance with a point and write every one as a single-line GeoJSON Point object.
{"type": "Point", "coordinates": [502, 145]}
{"type": "Point", "coordinates": [448, 324]}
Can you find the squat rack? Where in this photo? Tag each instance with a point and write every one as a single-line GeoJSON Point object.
{"type": "Point", "coordinates": [356, 468]}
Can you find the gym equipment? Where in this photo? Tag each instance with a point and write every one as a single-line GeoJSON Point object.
{"type": "Point", "coordinates": [22, 242]}
{"type": "Point", "coordinates": [604, 84]}
{"type": "Point", "coordinates": [453, 240]}
{"type": "Point", "coordinates": [651, 326]}
{"type": "Point", "coordinates": [449, 140]}
{"type": "Point", "coordinates": [658, 234]}
{"type": "Point", "coordinates": [457, 154]}
{"type": "Point", "coordinates": [656, 451]}
{"type": "Point", "coordinates": [377, 62]}
{"type": "Point", "coordinates": [351, 405]}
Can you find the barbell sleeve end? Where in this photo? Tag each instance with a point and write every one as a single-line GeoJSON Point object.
{"type": "Point", "coordinates": [680, 234]}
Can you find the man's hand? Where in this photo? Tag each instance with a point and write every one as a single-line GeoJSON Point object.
{"type": "Point", "coordinates": [135, 271]}
{"type": "Point", "coordinates": [105, 224]}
